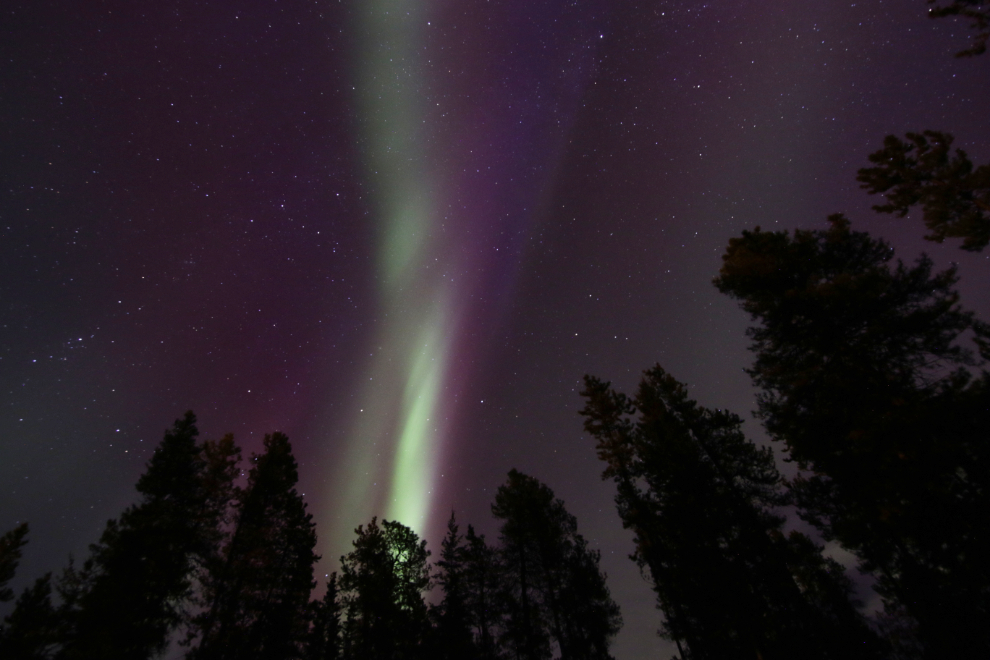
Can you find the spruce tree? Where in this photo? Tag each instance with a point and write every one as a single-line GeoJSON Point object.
{"type": "Point", "coordinates": [11, 547]}
{"type": "Point", "coordinates": [454, 639]}
{"type": "Point", "coordinates": [324, 639]}
{"type": "Point", "coordinates": [863, 370]}
{"type": "Point", "coordinates": [703, 503]}
{"type": "Point", "coordinates": [33, 630]}
{"type": "Point", "coordinates": [554, 589]}
{"type": "Point", "coordinates": [482, 572]}
{"type": "Point", "coordinates": [382, 582]}
{"type": "Point", "coordinates": [260, 599]}
{"type": "Point", "coordinates": [223, 499]}
{"type": "Point", "coordinates": [130, 594]}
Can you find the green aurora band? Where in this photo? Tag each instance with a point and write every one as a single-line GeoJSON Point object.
{"type": "Point", "coordinates": [462, 133]}
{"type": "Point", "coordinates": [397, 434]}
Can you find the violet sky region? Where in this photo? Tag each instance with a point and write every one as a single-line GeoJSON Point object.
{"type": "Point", "coordinates": [402, 231]}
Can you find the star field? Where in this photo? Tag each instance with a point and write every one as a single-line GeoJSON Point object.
{"type": "Point", "coordinates": [282, 214]}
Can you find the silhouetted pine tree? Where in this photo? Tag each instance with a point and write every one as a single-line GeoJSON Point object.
{"type": "Point", "coordinates": [590, 618]}
{"type": "Point", "coordinates": [382, 582]}
{"type": "Point", "coordinates": [923, 171]}
{"type": "Point", "coordinates": [553, 588]}
{"type": "Point", "coordinates": [11, 546]}
{"type": "Point", "coordinates": [701, 501]}
{"type": "Point", "coordinates": [323, 642]}
{"type": "Point", "coordinates": [834, 622]}
{"type": "Point", "coordinates": [33, 630]}
{"type": "Point", "coordinates": [453, 637]}
{"type": "Point", "coordinates": [130, 593]}
{"type": "Point", "coordinates": [525, 633]}
{"type": "Point", "coordinates": [862, 368]}
{"type": "Point", "coordinates": [482, 581]}
{"type": "Point", "coordinates": [260, 605]}
{"type": "Point", "coordinates": [222, 503]}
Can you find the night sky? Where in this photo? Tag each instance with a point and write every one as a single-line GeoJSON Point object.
{"type": "Point", "coordinates": [401, 231]}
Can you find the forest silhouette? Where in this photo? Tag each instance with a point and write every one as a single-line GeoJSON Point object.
{"type": "Point", "coordinates": [225, 570]}
{"type": "Point", "coordinates": [871, 380]}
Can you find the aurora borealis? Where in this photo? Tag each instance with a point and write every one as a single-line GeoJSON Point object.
{"type": "Point", "coordinates": [439, 224]}
{"type": "Point", "coordinates": [401, 231]}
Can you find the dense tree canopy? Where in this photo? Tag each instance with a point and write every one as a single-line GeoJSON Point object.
{"type": "Point", "coordinates": [553, 587]}
{"type": "Point", "coordinates": [482, 581]}
{"type": "Point", "coordinates": [324, 640]}
{"type": "Point", "coordinates": [129, 594]}
{"type": "Point", "coordinates": [260, 604]}
{"type": "Point", "coordinates": [224, 568]}
{"type": "Point", "coordinates": [34, 629]}
{"type": "Point", "coordinates": [454, 622]}
{"type": "Point", "coordinates": [382, 582]}
{"type": "Point", "coordinates": [703, 503]}
{"type": "Point", "coordinates": [864, 377]}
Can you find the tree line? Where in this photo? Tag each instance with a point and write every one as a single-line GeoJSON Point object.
{"type": "Point", "coordinates": [872, 378]}
{"type": "Point", "coordinates": [866, 380]}
{"type": "Point", "coordinates": [224, 569]}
